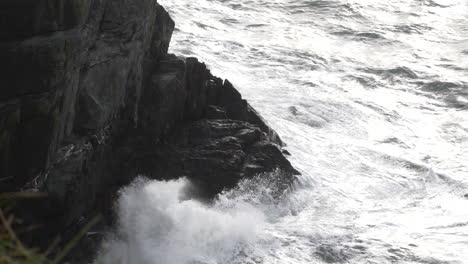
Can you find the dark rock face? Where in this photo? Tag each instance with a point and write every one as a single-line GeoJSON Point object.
{"type": "Point", "coordinates": [71, 67]}
{"type": "Point", "coordinates": [26, 18]}
{"type": "Point", "coordinates": [216, 153]}
{"type": "Point", "coordinates": [90, 99]}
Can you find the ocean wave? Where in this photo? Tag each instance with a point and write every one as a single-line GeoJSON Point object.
{"type": "Point", "coordinates": [453, 94]}
{"type": "Point", "coordinates": [365, 81]}
{"type": "Point", "coordinates": [441, 86]}
{"type": "Point", "coordinates": [396, 141]}
{"type": "Point", "coordinates": [397, 72]}
{"type": "Point", "coordinates": [336, 9]}
{"type": "Point", "coordinates": [433, 3]}
{"type": "Point", "coordinates": [412, 28]}
{"type": "Point", "coordinates": [359, 35]}
{"type": "Point", "coordinates": [391, 116]}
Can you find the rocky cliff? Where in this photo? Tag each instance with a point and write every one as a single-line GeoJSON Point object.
{"type": "Point", "coordinates": [90, 99]}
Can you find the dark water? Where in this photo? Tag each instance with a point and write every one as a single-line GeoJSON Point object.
{"type": "Point", "coordinates": [371, 98]}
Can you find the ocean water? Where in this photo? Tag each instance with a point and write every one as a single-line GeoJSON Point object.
{"type": "Point", "coordinates": [371, 98]}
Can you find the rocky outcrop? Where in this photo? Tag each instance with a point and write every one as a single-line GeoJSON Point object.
{"type": "Point", "coordinates": [219, 138]}
{"type": "Point", "coordinates": [90, 99]}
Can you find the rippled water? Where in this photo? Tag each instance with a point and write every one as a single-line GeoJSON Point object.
{"type": "Point", "coordinates": [371, 98]}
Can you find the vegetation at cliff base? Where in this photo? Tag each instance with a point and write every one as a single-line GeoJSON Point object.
{"type": "Point", "coordinates": [14, 251]}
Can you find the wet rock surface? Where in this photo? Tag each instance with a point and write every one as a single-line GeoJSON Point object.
{"type": "Point", "coordinates": [216, 153]}
{"type": "Point", "coordinates": [90, 99]}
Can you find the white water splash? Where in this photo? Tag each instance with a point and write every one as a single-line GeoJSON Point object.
{"type": "Point", "coordinates": [157, 225]}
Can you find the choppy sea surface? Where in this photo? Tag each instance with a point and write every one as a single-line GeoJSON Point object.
{"type": "Point", "coordinates": [371, 98]}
